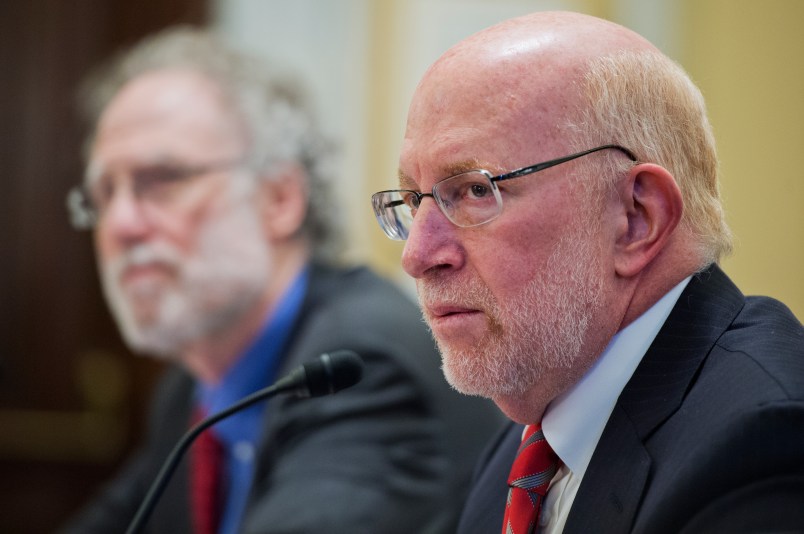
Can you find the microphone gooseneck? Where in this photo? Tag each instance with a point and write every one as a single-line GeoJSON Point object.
{"type": "Point", "coordinates": [329, 373]}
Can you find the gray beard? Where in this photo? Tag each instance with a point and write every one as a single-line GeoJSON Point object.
{"type": "Point", "coordinates": [213, 289]}
{"type": "Point", "coordinates": [544, 328]}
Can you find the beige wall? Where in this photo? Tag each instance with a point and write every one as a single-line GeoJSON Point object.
{"type": "Point", "coordinates": [747, 58]}
{"type": "Point", "coordinates": [366, 56]}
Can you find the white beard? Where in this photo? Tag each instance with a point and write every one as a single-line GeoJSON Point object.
{"type": "Point", "coordinates": [212, 288]}
{"type": "Point", "coordinates": [543, 328]}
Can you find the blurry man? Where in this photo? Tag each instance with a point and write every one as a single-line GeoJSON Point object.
{"type": "Point", "coordinates": [559, 197]}
{"type": "Point", "coordinates": [215, 231]}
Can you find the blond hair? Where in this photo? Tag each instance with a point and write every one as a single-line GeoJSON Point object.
{"type": "Point", "coordinates": [645, 102]}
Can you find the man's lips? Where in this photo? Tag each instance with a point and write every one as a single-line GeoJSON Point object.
{"type": "Point", "coordinates": [439, 311]}
{"type": "Point", "coordinates": [455, 324]}
{"type": "Point", "coordinates": [144, 272]}
{"type": "Point", "coordinates": [450, 316]}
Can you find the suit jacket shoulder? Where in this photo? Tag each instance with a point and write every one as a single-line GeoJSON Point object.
{"type": "Point", "coordinates": [707, 436]}
{"type": "Point", "coordinates": [713, 413]}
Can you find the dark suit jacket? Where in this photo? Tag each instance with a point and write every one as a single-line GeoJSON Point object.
{"type": "Point", "coordinates": [387, 455]}
{"type": "Point", "coordinates": [707, 436]}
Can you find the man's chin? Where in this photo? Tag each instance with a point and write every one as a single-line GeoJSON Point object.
{"type": "Point", "coordinates": [464, 378]}
{"type": "Point", "coordinates": [142, 332]}
{"type": "Point", "coordinates": [151, 344]}
{"type": "Point", "coordinates": [140, 303]}
{"type": "Point", "coordinates": [142, 318]}
{"type": "Point", "coordinates": [484, 373]}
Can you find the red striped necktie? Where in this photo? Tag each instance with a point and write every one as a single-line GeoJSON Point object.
{"type": "Point", "coordinates": [534, 467]}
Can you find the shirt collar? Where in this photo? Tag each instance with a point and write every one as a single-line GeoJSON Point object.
{"type": "Point", "coordinates": [255, 368]}
{"type": "Point", "coordinates": [574, 421]}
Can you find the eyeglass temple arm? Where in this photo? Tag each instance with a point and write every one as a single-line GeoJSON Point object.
{"type": "Point", "coordinates": [553, 162]}
{"type": "Point", "coordinates": [395, 203]}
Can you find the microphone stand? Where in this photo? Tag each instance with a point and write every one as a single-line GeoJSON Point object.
{"type": "Point", "coordinates": [326, 375]}
{"type": "Point", "coordinates": [165, 473]}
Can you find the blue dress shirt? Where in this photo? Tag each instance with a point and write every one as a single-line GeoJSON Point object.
{"type": "Point", "coordinates": [240, 432]}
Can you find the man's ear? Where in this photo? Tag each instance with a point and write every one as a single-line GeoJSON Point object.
{"type": "Point", "coordinates": [283, 202]}
{"type": "Point", "coordinates": [651, 208]}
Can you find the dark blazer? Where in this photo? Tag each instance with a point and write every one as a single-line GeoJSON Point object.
{"type": "Point", "coordinates": [707, 436]}
{"type": "Point", "coordinates": [387, 455]}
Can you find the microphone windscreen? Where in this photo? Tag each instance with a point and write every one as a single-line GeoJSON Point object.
{"type": "Point", "coordinates": [332, 372]}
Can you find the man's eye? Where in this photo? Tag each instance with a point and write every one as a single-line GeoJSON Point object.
{"type": "Point", "coordinates": [102, 191]}
{"type": "Point", "coordinates": [478, 190]}
{"type": "Point", "coordinates": [411, 200]}
{"type": "Point", "coordinates": [159, 181]}
{"type": "Point", "coordinates": [471, 191]}
{"type": "Point", "coordinates": [159, 175]}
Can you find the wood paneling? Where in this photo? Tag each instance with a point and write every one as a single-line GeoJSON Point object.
{"type": "Point", "coordinates": [72, 398]}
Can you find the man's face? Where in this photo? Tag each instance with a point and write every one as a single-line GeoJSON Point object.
{"type": "Point", "coordinates": [510, 302]}
{"type": "Point", "coordinates": [181, 254]}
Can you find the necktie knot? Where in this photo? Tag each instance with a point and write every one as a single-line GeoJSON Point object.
{"type": "Point", "coordinates": [534, 467]}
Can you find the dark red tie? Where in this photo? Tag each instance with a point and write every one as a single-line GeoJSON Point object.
{"type": "Point", "coordinates": [530, 476]}
{"type": "Point", "coordinates": [206, 465]}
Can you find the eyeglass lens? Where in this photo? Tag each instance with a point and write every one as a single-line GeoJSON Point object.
{"type": "Point", "coordinates": [159, 186]}
{"type": "Point", "coordinates": [467, 199]}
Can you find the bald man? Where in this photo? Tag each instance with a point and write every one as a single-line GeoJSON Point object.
{"type": "Point", "coordinates": [558, 195]}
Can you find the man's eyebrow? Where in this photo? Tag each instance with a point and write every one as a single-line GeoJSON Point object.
{"type": "Point", "coordinates": [96, 169]}
{"type": "Point", "coordinates": [407, 182]}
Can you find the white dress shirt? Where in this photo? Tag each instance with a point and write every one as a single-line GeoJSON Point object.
{"type": "Point", "coordinates": [574, 421]}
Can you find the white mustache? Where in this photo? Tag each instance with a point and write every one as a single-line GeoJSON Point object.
{"type": "Point", "coordinates": [467, 293]}
{"type": "Point", "coordinates": [143, 254]}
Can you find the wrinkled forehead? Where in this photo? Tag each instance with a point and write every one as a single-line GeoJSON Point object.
{"type": "Point", "coordinates": [504, 110]}
{"type": "Point", "coordinates": [162, 116]}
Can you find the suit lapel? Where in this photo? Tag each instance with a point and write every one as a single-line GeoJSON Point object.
{"type": "Point", "coordinates": [706, 308]}
{"type": "Point", "coordinates": [484, 508]}
{"type": "Point", "coordinates": [614, 481]}
{"type": "Point", "coordinates": [612, 487]}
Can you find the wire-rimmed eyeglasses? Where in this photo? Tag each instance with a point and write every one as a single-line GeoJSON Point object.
{"type": "Point", "coordinates": [159, 185]}
{"type": "Point", "coordinates": [467, 199]}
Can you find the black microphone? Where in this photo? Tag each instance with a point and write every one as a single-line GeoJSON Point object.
{"type": "Point", "coordinates": [328, 374]}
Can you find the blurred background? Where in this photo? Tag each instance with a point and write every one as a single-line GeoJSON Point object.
{"type": "Point", "coordinates": [72, 398]}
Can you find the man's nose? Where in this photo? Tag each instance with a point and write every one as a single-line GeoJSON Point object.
{"type": "Point", "coordinates": [431, 243]}
{"type": "Point", "coordinates": [123, 217]}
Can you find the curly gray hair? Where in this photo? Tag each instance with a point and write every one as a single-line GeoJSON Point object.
{"type": "Point", "coordinates": [270, 103]}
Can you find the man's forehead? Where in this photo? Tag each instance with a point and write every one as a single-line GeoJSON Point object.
{"type": "Point", "coordinates": [163, 117]}
{"type": "Point", "coordinates": [449, 134]}
{"type": "Point", "coordinates": [161, 101]}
